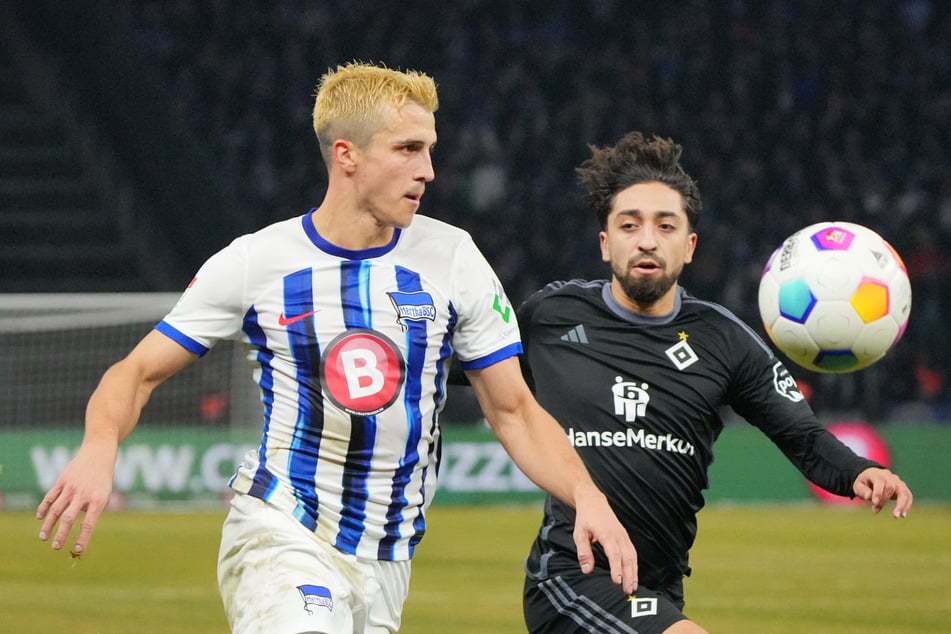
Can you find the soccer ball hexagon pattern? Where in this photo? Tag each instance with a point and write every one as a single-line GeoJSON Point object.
{"type": "Point", "coordinates": [835, 297]}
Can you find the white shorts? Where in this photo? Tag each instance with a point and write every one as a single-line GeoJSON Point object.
{"type": "Point", "coordinates": [277, 577]}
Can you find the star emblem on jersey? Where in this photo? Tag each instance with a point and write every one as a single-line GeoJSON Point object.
{"type": "Point", "coordinates": [681, 354]}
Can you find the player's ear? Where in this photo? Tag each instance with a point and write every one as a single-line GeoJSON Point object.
{"type": "Point", "coordinates": [605, 251]}
{"type": "Point", "coordinates": [344, 154]}
{"type": "Point", "coordinates": [691, 247]}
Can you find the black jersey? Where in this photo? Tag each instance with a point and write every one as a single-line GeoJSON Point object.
{"type": "Point", "coordinates": [641, 398]}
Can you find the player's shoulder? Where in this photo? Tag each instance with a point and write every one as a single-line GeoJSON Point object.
{"type": "Point", "coordinates": [720, 318]}
{"type": "Point", "coordinates": [692, 303]}
{"type": "Point", "coordinates": [696, 304]}
{"type": "Point", "coordinates": [575, 296]}
{"type": "Point", "coordinates": [427, 228]}
{"type": "Point", "coordinates": [711, 311]}
{"type": "Point", "coordinates": [276, 231]}
{"type": "Point", "coordinates": [278, 241]}
{"type": "Point", "coordinates": [571, 288]}
{"type": "Point", "coordinates": [439, 244]}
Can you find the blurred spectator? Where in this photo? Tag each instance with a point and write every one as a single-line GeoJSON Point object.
{"type": "Point", "coordinates": [793, 112]}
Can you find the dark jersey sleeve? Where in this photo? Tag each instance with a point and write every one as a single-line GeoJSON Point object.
{"type": "Point", "coordinates": [524, 316]}
{"type": "Point", "coordinates": [766, 394]}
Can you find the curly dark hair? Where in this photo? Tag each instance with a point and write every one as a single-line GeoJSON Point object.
{"type": "Point", "coordinates": [634, 160]}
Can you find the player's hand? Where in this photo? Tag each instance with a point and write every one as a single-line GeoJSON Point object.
{"type": "Point", "coordinates": [82, 490]}
{"type": "Point", "coordinates": [878, 486]}
{"type": "Point", "coordinates": [596, 522]}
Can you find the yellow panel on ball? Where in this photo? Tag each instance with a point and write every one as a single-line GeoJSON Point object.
{"type": "Point", "coordinates": [870, 300]}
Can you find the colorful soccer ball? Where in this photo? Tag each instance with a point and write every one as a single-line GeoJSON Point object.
{"type": "Point", "coordinates": [835, 297]}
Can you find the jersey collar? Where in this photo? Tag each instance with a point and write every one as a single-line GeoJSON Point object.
{"type": "Point", "coordinates": [639, 318]}
{"type": "Point", "coordinates": [350, 254]}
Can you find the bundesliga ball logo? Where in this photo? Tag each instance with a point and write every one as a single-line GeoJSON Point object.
{"type": "Point", "coordinates": [835, 297]}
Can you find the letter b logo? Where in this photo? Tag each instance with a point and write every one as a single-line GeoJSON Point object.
{"type": "Point", "coordinates": [362, 372]}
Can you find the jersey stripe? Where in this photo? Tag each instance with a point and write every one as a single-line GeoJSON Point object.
{"type": "Point", "coordinates": [354, 289]}
{"type": "Point", "coordinates": [589, 616]}
{"type": "Point", "coordinates": [355, 475]}
{"type": "Point", "coordinates": [263, 482]}
{"type": "Point", "coordinates": [435, 449]}
{"type": "Point", "coordinates": [406, 281]}
{"type": "Point", "coordinates": [305, 349]}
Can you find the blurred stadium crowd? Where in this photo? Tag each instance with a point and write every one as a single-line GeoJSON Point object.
{"type": "Point", "coordinates": [790, 112]}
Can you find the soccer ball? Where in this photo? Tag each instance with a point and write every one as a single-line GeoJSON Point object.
{"type": "Point", "coordinates": [835, 297]}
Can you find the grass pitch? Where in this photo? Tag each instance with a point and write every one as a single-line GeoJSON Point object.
{"type": "Point", "coordinates": [773, 569]}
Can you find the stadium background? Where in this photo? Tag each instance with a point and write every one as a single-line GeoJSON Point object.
{"type": "Point", "coordinates": [140, 136]}
{"type": "Point", "coordinates": [137, 137]}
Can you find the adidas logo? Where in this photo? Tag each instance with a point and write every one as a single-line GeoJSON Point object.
{"type": "Point", "coordinates": [575, 335]}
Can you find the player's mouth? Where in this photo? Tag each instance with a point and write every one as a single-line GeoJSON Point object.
{"type": "Point", "coordinates": [646, 266]}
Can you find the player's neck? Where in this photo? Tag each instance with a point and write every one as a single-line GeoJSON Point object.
{"type": "Point", "coordinates": [348, 229]}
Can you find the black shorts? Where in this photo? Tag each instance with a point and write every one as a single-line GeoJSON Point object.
{"type": "Point", "coordinates": [568, 600]}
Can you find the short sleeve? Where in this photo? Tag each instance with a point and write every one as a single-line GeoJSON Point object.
{"type": "Point", "coordinates": [212, 307]}
{"type": "Point", "coordinates": [487, 329]}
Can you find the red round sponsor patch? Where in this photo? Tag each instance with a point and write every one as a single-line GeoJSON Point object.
{"type": "Point", "coordinates": [362, 372]}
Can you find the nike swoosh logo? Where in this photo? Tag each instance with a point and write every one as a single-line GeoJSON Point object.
{"type": "Point", "coordinates": [287, 321]}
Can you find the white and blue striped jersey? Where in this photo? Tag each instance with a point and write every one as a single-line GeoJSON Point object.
{"type": "Point", "coordinates": [351, 350]}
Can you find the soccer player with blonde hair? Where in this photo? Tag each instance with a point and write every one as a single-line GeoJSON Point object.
{"type": "Point", "coordinates": [351, 314]}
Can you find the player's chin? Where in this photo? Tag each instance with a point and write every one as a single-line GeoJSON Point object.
{"type": "Point", "coordinates": [404, 217]}
{"type": "Point", "coordinates": [397, 218]}
{"type": "Point", "coordinates": [403, 222]}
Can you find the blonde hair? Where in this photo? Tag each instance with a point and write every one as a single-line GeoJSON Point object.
{"type": "Point", "coordinates": [350, 100]}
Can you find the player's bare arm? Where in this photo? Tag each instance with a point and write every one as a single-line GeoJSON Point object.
{"type": "Point", "coordinates": [84, 486]}
{"type": "Point", "coordinates": [878, 486]}
{"type": "Point", "coordinates": [539, 447]}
